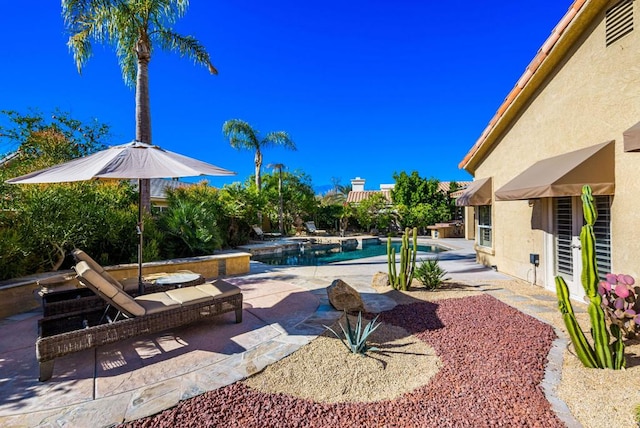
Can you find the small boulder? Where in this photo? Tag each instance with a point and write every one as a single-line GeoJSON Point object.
{"type": "Point", "coordinates": [343, 297]}
{"type": "Point", "coordinates": [380, 280]}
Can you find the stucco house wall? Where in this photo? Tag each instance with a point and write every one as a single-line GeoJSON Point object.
{"type": "Point", "coordinates": [591, 97]}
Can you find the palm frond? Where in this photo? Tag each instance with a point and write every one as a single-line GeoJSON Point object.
{"type": "Point", "coordinates": [80, 46]}
{"type": "Point", "coordinates": [279, 138]}
{"type": "Point", "coordinates": [170, 11]}
{"type": "Point", "coordinates": [186, 46]}
{"type": "Point", "coordinates": [102, 21]}
{"type": "Point", "coordinates": [240, 134]}
{"type": "Point", "coordinates": [122, 24]}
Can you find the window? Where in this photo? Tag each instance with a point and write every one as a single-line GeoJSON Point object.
{"type": "Point", "coordinates": [484, 225]}
{"type": "Point", "coordinates": [564, 235]}
{"type": "Point", "coordinates": [568, 212]}
{"type": "Point", "coordinates": [602, 231]}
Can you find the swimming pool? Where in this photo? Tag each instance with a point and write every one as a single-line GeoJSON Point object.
{"type": "Point", "coordinates": [330, 253]}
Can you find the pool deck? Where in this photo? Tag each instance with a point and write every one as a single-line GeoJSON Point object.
{"type": "Point", "coordinates": [285, 307]}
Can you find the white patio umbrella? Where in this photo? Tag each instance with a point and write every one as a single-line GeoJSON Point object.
{"type": "Point", "coordinates": [135, 160]}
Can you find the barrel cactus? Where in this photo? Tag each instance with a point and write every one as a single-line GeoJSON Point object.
{"type": "Point", "coordinates": [602, 354]}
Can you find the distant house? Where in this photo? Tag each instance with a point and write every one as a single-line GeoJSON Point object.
{"type": "Point", "coordinates": [159, 188]}
{"type": "Point", "coordinates": [358, 194]}
{"type": "Point", "coordinates": [571, 119]}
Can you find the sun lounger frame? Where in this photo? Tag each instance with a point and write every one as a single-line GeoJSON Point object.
{"type": "Point", "coordinates": [58, 345]}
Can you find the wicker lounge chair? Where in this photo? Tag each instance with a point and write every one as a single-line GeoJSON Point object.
{"type": "Point", "coordinates": [312, 229]}
{"type": "Point", "coordinates": [262, 235]}
{"type": "Point", "coordinates": [148, 313]}
{"type": "Point", "coordinates": [64, 294]}
{"type": "Point", "coordinates": [130, 285]}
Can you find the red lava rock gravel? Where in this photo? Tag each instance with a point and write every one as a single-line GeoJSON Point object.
{"type": "Point", "coordinates": [493, 362]}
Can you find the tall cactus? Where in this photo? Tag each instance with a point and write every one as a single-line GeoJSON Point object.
{"type": "Point", "coordinates": [583, 348]}
{"type": "Point", "coordinates": [602, 354]}
{"type": "Point", "coordinates": [402, 280]}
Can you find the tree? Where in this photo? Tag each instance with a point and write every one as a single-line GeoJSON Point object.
{"type": "Point", "coordinates": [338, 193]}
{"type": "Point", "coordinates": [191, 221]}
{"type": "Point", "coordinates": [297, 194]}
{"type": "Point", "coordinates": [43, 142]}
{"type": "Point", "coordinates": [373, 212]}
{"type": "Point", "coordinates": [419, 201]}
{"type": "Point", "coordinates": [133, 28]}
{"type": "Point", "coordinates": [240, 207]}
{"type": "Point", "coordinates": [40, 223]}
{"type": "Point", "coordinates": [242, 136]}
{"type": "Point", "coordinates": [55, 218]}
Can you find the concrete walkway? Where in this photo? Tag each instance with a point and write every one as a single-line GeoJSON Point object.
{"type": "Point", "coordinates": [285, 308]}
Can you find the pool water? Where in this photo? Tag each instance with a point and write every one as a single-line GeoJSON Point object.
{"type": "Point", "coordinates": [326, 254]}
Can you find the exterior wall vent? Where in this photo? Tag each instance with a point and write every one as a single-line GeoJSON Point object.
{"type": "Point", "coordinates": [619, 21]}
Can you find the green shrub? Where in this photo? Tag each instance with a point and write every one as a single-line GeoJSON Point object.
{"type": "Point", "coordinates": [356, 339]}
{"type": "Point", "coordinates": [12, 258]}
{"type": "Point", "coordinates": [430, 274]}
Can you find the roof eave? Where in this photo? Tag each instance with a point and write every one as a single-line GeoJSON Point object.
{"type": "Point", "coordinates": [566, 33]}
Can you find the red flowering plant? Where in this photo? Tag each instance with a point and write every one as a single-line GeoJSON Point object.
{"type": "Point", "coordinates": [620, 302]}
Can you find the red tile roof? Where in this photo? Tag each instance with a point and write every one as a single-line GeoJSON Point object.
{"type": "Point", "coordinates": [444, 186]}
{"type": "Point", "coordinates": [359, 196]}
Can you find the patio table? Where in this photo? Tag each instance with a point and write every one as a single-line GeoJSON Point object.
{"type": "Point", "coordinates": [174, 280]}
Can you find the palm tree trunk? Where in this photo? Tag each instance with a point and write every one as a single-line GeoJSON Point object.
{"type": "Point", "coordinates": [258, 162]}
{"type": "Point", "coordinates": [143, 112]}
{"type": "Point", "coordinates": [143, 134]}
{"type": "Point", "coordinates": [280, 210]}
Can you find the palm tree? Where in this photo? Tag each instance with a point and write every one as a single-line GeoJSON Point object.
{"type": "Point", "coordinates": [279, 166]}
{"type": "Point", "coordinates": [242, 136]}
{"type": "Point", "coordinates": [133, 28]}
{"type": "Point", "coordinates": [338, 194]}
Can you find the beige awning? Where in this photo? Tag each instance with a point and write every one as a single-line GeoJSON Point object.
{"type": "Point", "coordinates": [478, 193]}
{"type": "Point", "coordinates": [564, 175]}
{"type": "Point", "coordinates": [632, 138]}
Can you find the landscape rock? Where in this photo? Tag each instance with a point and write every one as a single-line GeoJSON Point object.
{"type": "Point", "coordinates": [380, 280]}
{"type": "Point", "coordinates": [343, 297]}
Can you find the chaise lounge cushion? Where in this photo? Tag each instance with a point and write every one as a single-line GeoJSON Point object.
{"type": "Point", "coordinates": [129, 284]}
{"type": "Point", "coordinates": [108, 291]}
{"type": "Point", "coordinates": [188, 295]}
{"type": "Point", "coordinates": [219, 288]}
{"type": "Point", "coordinates": [154, 302]}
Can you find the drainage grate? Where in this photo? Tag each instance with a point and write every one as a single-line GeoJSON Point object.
{"type": "Point", "coordinates": [619, 21]}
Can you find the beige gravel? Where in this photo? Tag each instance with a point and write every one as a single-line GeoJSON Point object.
{"type": "Point", "coordinates": [596, 398]}
{"type": "Point", "coordinates": [322, 370]}
{"type": "Point", "coordinates": [326, 371]}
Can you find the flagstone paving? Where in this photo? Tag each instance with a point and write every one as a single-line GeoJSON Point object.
{"type": "Point", "coordinates": [284, 309]}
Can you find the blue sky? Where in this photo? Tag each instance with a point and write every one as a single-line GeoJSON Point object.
{"type": "Point", "coordinates": [364, 88]}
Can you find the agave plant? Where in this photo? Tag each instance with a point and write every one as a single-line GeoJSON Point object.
{"type": "Point", "coordinates": [430, 274]}
{"type": "Point", "coordinates": [356, 339]}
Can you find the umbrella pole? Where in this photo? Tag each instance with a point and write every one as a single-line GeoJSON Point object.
{"type": "Point", "coordinates": [140, 229]}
